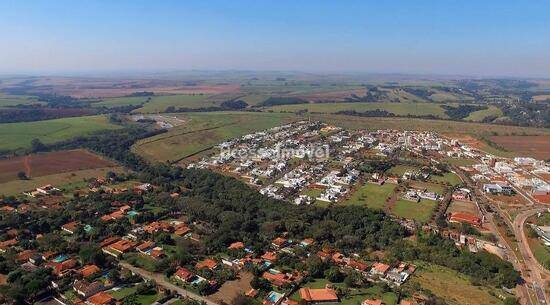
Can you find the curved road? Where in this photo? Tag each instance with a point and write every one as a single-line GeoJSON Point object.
{"type": "Point", "coordinates": [538, 272]}
{"type": "Point", "coordinates": [161, 281]}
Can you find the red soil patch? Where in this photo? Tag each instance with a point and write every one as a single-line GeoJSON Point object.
{"type": "Point", "coordinates": [50, 163]}
{"type": "Point", "coordinates": [533, 146]}
{"type": "Point", "coordinates": [468, 140]}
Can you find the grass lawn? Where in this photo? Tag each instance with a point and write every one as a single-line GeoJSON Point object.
{"type": "Point", "coordinates": [399, 170]}
{"type": "Point", "coordinates": [120, 294]}
{"type": "Point", "coordinates": [147, 299]}
{"type": "Point", "coordinates": [204, 130]}
{"type": "Point", "coordinates": [452, 286]}
{"type": "Point", "coordinates": [153, 208]}
{"type": "Point", "coordinates": [140, 260]}
{"type": "Point", "coordinates": [20, 135]}
{"type": "Point", "coordinates": [450, 178]}
{"type": "Point", "coordinates": [460, 161]}
{"type": "Point", "coordinates": [431, 187]}
{"type": "Point", "coordinates": [421, 211]}
{"type": "Point", "coordinates": [372, 195]}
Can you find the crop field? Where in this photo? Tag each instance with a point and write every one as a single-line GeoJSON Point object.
{"type": "Point", "coordinates": [20, 135]}
{"type": "Point", "coordinates": [12, 100]}
{"type": "Point", "coordinates": [58, 180]}
{"type": "Point", "coordinates": [395, 108]}
{"type": "Point", "coordinates": [50, 163]}
{"type": "Point", "coordinates": [121, 101]}
{"type": "Point", "coordinates": [455, 288]}
{"type": "Point", "coordinates": [441, 126]}
{"type": "Point", "coordinates": [537, 147]}
{"type": "Point", "coordinates": [421, 211]}
{"type": "Point", "coordinates": [204, 130]}
{"type": "Point", "coordinates": [372, 195]}
{"type": "Point", "coordinates": [160, 103]}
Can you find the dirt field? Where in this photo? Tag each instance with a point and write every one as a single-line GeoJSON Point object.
{"type": "Point", "coordinates": [463, 207]}
{"type": "Point", "coordinates": [50, 163]}
{"type": "Point", "coordinates": [533, 146]}
{"type": "Point", "coordinates": [231, 289]}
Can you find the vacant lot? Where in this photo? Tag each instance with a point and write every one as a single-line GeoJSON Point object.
{"type": "Point", "coordinates": [50, 163]}
{"type": "Point", "coordinates": [463, 207]}
{"type": "Point", "coordinates": [450, 178]}
{"type": "Point", "coordinates": [204, 130]}
{"type": "Point", "coordinates": [455, 288]}
{"type": "Point", "coordinates": [533, 146]}
{"type": "Point", "coordinates": [372, 195]}
{"type": "Point", "coordinates": [232, 289]}
{"type": "Point", "coordinates": [20, 135]}
{"type": "Point", "coordinates": [58, 180]}
{"type": "Point", "coordinates": [421, 211]}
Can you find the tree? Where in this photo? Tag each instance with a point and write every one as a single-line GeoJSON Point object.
{"type": "Point", "coordinates": [37, 146]}
{"type": "Point", "coordinates": [334, 275]}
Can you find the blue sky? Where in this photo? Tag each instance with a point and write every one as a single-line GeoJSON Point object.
{"type": "Point", "coordinates": [469, 37]}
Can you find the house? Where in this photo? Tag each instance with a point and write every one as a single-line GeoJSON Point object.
{"type": "Point", "coordinates": [463, 217]}
{"type": "Point", "coordinates": [89, 270]}
{"type": "Point", "coordinates": [278, 278]}
{"type": "Point", "coordinates": [207, 264]}
{"type": "Point", "coordinates": [70, 227]}
{"type": "Point", "coordinates": [279, 242]}
{"type": "Point", "coordinates": [101, 298]}
{"type": "Point", "coordinates": [85, 289]}
{"type": "Point", "coordinates": [379, 269]}
{"type": "Point", "coordinates": [322, 295]}
{"type": "Point", "coordinates": [405, 302]}
{"type": "Point", "coordinates": [145, 247]}
{"type": "Point", "coordinates": [270, 257]}
{"type": "Point", "coordinates": [5, 245]}
{"type": "Point", "coordinates": [118, 248]}
{"type": "Point", "coordinates": [184, 275]}
{"type": "Point", "coordinates": [62, 268]}
{"type": "Point", "coordinates": [307, 242]}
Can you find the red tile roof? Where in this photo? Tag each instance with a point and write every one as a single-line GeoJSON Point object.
{"type": "Point", "coordinates": [207, 263]}
{"type": "Point", "coordinates": [318, 295]}
{"type": "Point", "coordinates": [101, 298]}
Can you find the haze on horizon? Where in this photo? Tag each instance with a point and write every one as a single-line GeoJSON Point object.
{"type": "Point", "coordinates": [468, 37]}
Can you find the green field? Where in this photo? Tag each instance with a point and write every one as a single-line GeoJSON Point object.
{"type": "Point", "coordinates": [13, 100]}
{"type": "Point", "coordinates": [449, 178]}
{"type": "Point", "coordinates": [421, 211]}
{"type": "Point", "coordinates": [160, 103]}
{"type": "Point", "coordinates": [204, 130]}
{"type": "Point", "coordinates": [395, 108]}
{"type": "Point", "coordinates": [455, 288]}
{"type": "Point", "coordinates": [372, 195]}
{"type": "Point", "coordinates": [540, 251]}
{"type": "Point", "coordinates": [399, 170]}
{"type": "Point", "coordinates": [20, 135]}
{"type": "Point", "coordinates": [478, 116]}
{"type": "Point", "coordinates": [121, 101]}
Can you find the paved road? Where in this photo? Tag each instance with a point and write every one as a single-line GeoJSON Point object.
{"type": "Point", "coordinates": [538, 272]}
{"type": "Point", "coordinates": [161, 281]}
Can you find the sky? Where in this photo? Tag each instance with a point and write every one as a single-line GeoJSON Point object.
{"type": "Point", "coordinates": [461, 37]}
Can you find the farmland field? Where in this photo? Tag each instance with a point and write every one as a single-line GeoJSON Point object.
{"type": "Point", "coordinates": [537, 147]}
{"type": "Point", "coordinates": [396, 108]}
{"type": "Point", "coordinates": [421, 211]}
{"type": "Point", "coordinates": [478, 116]}
{"type": "Point", "coordinates": [121, 101]}
{"type": "Point", "coordinates": [204, 130]}
{"type": "Point", "coordinates": [160, 103]}
{"type": "Point", "coordinates": [20, 135]}
{"type": "Point", "coordinates": [50, 163]}
{"type": "Point", "coordinates": [455, 288]}
{"type": "Point", "coordinates": [12, 100]}
{"type": "Point", "coordinates": [372, 195]}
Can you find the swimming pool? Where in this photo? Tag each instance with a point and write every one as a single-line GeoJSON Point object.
{"type": "Point", "coordinates": [274, 297]}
